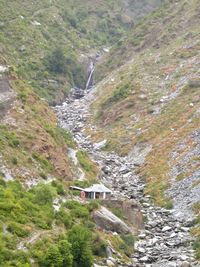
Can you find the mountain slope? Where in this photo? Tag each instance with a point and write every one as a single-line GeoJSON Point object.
{"type": "Point", "coordinates": [146, 95]}
{"type": "Point", "coordinates": [44, 48]}
{"type": "Point", "coordinates": [152, 101]}
{"type": "Point", "coordinates": [49, 42]}
{"type": "Point", "coordinates": [148, 109]}
{"type": "Point", "coordinates": [171, 21]}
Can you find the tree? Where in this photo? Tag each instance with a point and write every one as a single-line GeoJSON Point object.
{"type": "Point", "coordinates": [56, 61]}
{"type": "Point", "coordinates": [65, 251]}
{"type": "Point", "coordinates": [53, 257]}
{"type": "Point", "coordinates": [44, 194]}
{"type": "Point", "coordinates": [80, 238]}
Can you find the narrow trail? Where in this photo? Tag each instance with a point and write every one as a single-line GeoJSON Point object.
{"type": "Point", "coordinates": [165, 241]}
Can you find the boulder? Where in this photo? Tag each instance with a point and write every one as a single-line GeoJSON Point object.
{"type": "Point", "coordinates": [100, 145]}
{"type": "Point", "coordinates": [131, 210]}
{"type": "Point", "coordinates": [22, 48]}
{"type": "Point", "coordinates": [106, 220]}
{"type": "Point", "coordinates": [110, 261]}
{"type": "Point", "coordinates": [185, 264]}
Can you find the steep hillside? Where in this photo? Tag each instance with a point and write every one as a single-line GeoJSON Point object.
{"type": "Point", "coordinates": [45, 48]}
{"type": "Point", "coordinates": [32, 145]}
{"type": "Point", "coordinates": [140, 136]}
{"type": "Point", "coordinates": [158, 30]}
{"type": "Point", "coordinates": [49, 42]}
{"type": "Point", "coordinates": [148, 96]}
{"type": "Point", "coordinates": [152, 104]}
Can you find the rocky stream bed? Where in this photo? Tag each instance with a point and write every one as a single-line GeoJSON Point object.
{"type": "Point", "coordinates": [165, 240]}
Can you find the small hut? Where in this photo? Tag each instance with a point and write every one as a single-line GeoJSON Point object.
{"type": "Point", "coordinates": [96, 191]}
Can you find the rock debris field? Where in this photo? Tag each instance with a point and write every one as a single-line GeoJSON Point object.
{"type": "Point", "coordinates": [165, 240]}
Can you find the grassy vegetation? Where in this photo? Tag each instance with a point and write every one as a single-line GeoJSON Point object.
{"type": "Point", "coordinates": [196, 231]}
{"type": "Point", "coordinates": [23, 212]}
{"type": "Point", "coordinates": [27, 213]}
{"type": "Point", "coordinates": [121, 92]}
{"type": "Point", "coordinates": [157, 30]}
{"type": "Point", "coordinates": [88, 166]}
{"type": "Point", "coordinates": [124, 244]}
{"type": "Point", "coordinates": [139, 117]}
{"type": "Point", "coordinates": [34, 142]}
{"type": "Point", "coordinates": [161, 66]}
{"type": "Point", "coordinates": [32, 32]}
{"type": "Point", "coordinates": [33, 146]}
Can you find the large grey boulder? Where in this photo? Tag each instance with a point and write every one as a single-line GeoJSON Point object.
{"type": "Point", "coordinates": [106, 220]}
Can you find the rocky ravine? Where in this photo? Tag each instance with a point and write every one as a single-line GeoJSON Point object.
{"type": "Point", "coordinates": [165, 241]}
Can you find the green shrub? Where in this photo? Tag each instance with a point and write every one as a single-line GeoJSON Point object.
{"type": "Point", "coordinates": [85, 162]}
{"type": "Point", "coordinates": [8, 137]}
{"type": "Point", "coordinates": [60, 135]}
{"type": "Point", "coordinates": [23, 96]}
{"type": "Point", "coordinates": [53, 257]}
{"type": "Point", "coordinates": [77, 210]}
{"type": "Point", "coordinates": [17, 229]}
{"type": "Point", "coordinates": [55, 62]}
{"type": "Point", "coordinates": [196, 246]}
{"type": "Point", "coordinates": [72, 204]}
{"type": "Point", "coordinates": [89, 225]}
{"type": "Point", "coordinates": [169, 204]}
{"type": "Point", "coordinates": [93, 205]}
{"type": "Point", "coordinates": [65, 251]}
{"type": "Point", "coordinates": [44, 194]}
{"type": "Point", "coordinates": [59, 63]}
{"type": "Point", "coordinates": [128, 239]}
{"type": "Point", "coordinates": [80, 212]}
{"type": "Point", "coordinates": [6, 205]}
{"type": "Point", "coordinates": [14, 142]}
{"type": "Point", "coordinates": [59, 187]}
{"type": "Point", "coordinates": [99, 246]}
{"type": "Point", "coordinates": [64, 217]}
{"type": "Point", "coordinates": [80, 239]}
{"type": "Point", "coordinates": [43, 175]}
{"type": "Point", "coordinates": [118, 212]}
{"type": "Point", "coordinates": [120, 93]}
{"type": "Point", "coordinates": [14, 161]}
{"type": "Point", "coordinates": [45, 164]}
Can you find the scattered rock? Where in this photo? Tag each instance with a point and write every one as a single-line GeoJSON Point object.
{"type": "Point", "coordinates": [165, 241]}
{"type": "Point", "coordinates": [185, 264]}
{"type": "Point", "coordinates": [144, 259]}
{"type": "Point", "coordinates": [35, 23]}
{"type": "Point", "coordinates": [142, 97]}
{"type": "Point", "coordinates": [3, 68]}
{"type": "Point", "coordinates": [22, 48]}
{"type": "Point", "coordinates": [166, 228]}
{"type": "Point", "coordinates": [100, 145]}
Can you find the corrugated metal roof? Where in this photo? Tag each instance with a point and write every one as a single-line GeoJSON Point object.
{"type": "Point", "coordinates": [76, 188]}
{"type": "Point", "coordinates": [99, 188]}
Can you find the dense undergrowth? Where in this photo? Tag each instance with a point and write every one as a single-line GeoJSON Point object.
{"type": "Point", "coordinates": [67, 236]}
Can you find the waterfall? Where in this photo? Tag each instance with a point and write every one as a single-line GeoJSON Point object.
{"type": "Point", "coordinates": [90, 76]}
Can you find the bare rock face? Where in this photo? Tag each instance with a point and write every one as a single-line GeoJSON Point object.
{"type": "Point", "coordinates": [131, 210]}
{"type": "Point", "coordinates": [7, 95]}
{"type": "Point", "coordinates": [106, 220]}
